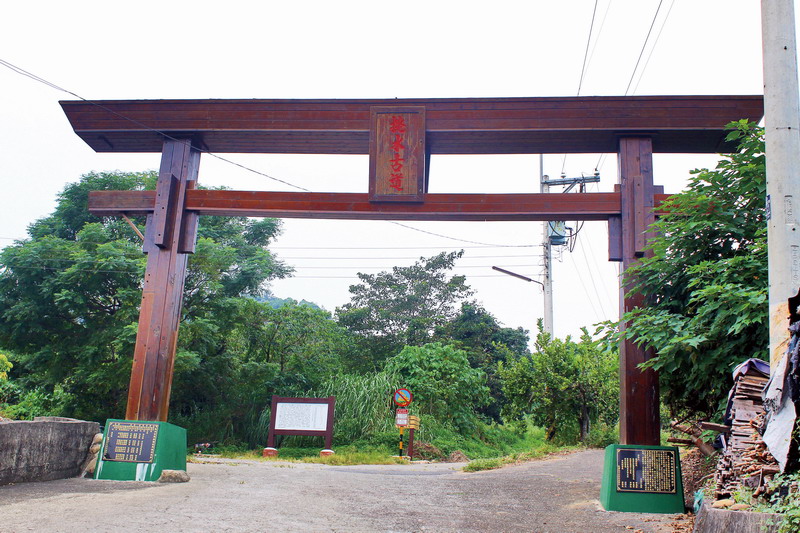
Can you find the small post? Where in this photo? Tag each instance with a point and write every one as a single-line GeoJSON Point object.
{"type": "Point", "coordinates": [411, 444]}
{"type": "Point", "coordinates": [401, 441]}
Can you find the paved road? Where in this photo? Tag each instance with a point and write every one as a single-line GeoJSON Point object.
{"type": "Point", "coordinates": [557, 495]}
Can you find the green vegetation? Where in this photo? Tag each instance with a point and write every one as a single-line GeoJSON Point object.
{"type": "Point", "coordinates": [706, 282]}
{"type": "Point", "coordinates": [69, 298]}
{"type": "Point", "coordinates": [563, 385]}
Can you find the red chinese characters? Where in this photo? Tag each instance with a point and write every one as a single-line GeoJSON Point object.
{"type": "Point", "coordinates": [397, 126]}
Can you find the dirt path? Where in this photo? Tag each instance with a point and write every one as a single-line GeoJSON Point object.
{"type": "Point", "coordinates": [558, 495]}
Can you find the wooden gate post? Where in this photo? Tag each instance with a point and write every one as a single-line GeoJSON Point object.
{"type": "Point", "coordinates": [639, 394]}
{"type": "Point", "coordinates": [169, 237]}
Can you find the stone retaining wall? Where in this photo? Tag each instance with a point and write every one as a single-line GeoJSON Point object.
{"type": "Point", "coordinates": [723, 521]}
{"type": "Point", "coordinates": [43, 449]}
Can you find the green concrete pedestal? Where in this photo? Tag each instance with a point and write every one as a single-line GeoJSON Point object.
{"type": "Point", "coordinates": [642, 479]}
{"type": "Point", "coordinates": [135, 450]}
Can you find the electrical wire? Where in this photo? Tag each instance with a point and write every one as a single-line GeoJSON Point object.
{"type": "Point", "coordinates": [586, 52]}
{"type": "Point", "coordinates": [602, 157]}
{"type": "Point", "coordinates": [644, 45]}
{"type": "Point", "coordinates": [655, 42]}
{"type": "Point", "coordinates": [39, 79]}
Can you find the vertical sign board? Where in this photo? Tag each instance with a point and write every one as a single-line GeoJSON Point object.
{"type": "Point", "coordinates": [302, 416]}
{"type": "Point", "coordinates": [642, 479]}
{"type": "Point", "coordinates": [397, 154]}
{"type": "Point", "coordinates": [135, 450]}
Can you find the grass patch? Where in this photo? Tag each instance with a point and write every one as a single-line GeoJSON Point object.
{"type": "Point", "coordinates": [344, 456]}
{"type": "Point", "coordinates": [515, 458]}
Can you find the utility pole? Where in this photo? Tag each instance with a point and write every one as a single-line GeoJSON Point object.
{"type": "Point", "coordinates": [548, 258]}
{"type": "Point", "coordinates": [782, 121]}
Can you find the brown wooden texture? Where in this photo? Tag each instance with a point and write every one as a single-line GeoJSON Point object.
{"type": "Point", "coordinates": [397, 155]}
{"type": "Point", "coordinates": [327, 433]}
{"type": "Point", "coordinates": [639, 394]}
{"type": "Point", "coordinates": [677, 124]}
{"type": "Point", "coordinates": [162, 295]}
{"type": "Point", "coordinates": [534, 206]}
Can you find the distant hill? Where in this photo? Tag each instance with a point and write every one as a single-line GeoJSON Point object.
{"type": "Point", "coordinates": [276, 302]}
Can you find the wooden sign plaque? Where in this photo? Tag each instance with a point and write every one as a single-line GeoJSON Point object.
{"type": "Point", "coordinates": [397, 154]}
{"type": "Point", "coordinates": [302, 416]}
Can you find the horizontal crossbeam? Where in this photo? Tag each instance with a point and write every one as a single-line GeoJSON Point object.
{"type": "Point", "coordinates": [356, 206]}
{"type": "Point", "coordinates": [676, 124]}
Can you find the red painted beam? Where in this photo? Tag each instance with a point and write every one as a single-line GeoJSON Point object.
{"type": "Point", "coordinates": [677, 124]}
{"type": "Point", "coordinates": [356, 206]}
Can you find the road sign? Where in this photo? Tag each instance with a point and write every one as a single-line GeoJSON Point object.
{"type": "Point", "coordinates": [413, 422]}
{"type": "Point", "coordinates": [401, 418]}
{"type": "Point", "coordinates": [403, 397]}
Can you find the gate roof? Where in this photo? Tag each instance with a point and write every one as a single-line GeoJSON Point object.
{"type": "Point", "coordinates": [677, 124]}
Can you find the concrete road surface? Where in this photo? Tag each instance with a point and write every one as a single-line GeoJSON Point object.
{"type": "Point", "coordinates": [557, 495]}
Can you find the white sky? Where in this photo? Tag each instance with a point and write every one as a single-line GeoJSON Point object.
{"type": "Point", "coordinates": [367, 49]}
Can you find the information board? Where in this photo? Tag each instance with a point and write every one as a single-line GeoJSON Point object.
{"type": "Point", "coordinates": [301, 416]}
{"type": "Point", "coordinates": [132, 442]}
{"type": "Point", "coordinates": [643, 470]}
{"type": "Point", "coordinates": [642, 479]}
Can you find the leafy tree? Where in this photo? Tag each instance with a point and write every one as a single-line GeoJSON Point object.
{"type": "Point", "coordinates": [69, 295]}
{"type": "Point", "coordinates": [706, 282]}
{"type": "Point", "coordinates": [487, 343]}
{"type": "Point", "coordinates": [442, 381]}
{"type": "Point", "coordinates": [406, 306]}
{"type": "Point", "coordinates": [562, 385]}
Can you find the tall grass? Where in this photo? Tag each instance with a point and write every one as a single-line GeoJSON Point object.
{"type": "Point", "coordinates": [363, 405]}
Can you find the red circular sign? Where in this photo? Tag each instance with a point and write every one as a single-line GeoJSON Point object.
{"type": "Point", "coordinates": [403, 397]}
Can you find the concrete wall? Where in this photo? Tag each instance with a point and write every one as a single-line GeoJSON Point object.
{"type": "Point", "coordinates": [723, 521]}
{"type": "Point", "coordinates": [43, 449]}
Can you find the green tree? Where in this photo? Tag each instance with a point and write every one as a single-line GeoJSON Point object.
{"type": "Point", "coordinates": [562, 385]}
{"type": "Point", "coordinates": [487, 343]}
{"type": "Point", "coordinates": [69, 295]}
{"type": "Point", "coordinates": [442, 381]}
{"type": "Point", "coordinates": [706, 282]}
{"type": "Point", "coordinates": [406, 306]}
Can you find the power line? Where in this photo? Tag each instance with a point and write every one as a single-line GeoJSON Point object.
{"type": "Point", "coordinates": [586, 52]}
{"type": "Point", "coordinates": [644, 45]}
{"type": "Point", "coordinates": [655, 42]}
{"type": "Point", "coordinates": [602, 157]}
{"type": "Point", "coordinates": [39, 79]}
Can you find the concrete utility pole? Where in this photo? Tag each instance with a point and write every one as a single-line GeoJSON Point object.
{"type": "Point", "coordinates": [548, 259]}
{"type": "Point", "coordinates": [782, 120]}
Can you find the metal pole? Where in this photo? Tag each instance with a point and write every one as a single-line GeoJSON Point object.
{"type": "Point", "coordinates": [548, 260]}
{"type": "Point", "coordinates": [782, 120]}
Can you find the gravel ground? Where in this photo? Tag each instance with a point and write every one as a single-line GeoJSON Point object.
{"type": "Point", "coordinates": [557, 495]}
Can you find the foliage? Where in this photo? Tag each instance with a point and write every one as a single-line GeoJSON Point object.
{"type": "Point", "coordinates": [487, 343]}
{"type": "Point", "coordinates": [69, 296]}
{"type": "Point", "coordinates": [562, 385]}
{"type": "Point", "coordinates": [5, 366]}
{"type": "Point", "coordinates": [442, 381]}
{"type": "Point", "coordinates": [785, 500]}
{"type": "Point", "coordinates": [705, 279]}
{"type": "Point", "coordinates": [363, 404]}
{"type": "Point", "coordinates": [403, 307]}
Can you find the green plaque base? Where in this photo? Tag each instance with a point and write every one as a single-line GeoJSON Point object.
{"type": "Point", "coordinates": [642, 479]}
{"type": "Point", "coordinates": [136, 450]}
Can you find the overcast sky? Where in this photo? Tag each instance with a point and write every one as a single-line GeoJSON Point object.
{"type": "Point", "coordinates": [349, 49]}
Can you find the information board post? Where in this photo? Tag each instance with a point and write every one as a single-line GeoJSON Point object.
{"type": "Point", "coordinates": [301, 416]}
{"type": "Point", "coordinates": [642, 479]}
{"type": "Point", "coordinates": [134, 450]}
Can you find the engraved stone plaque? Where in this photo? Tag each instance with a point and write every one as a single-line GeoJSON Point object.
{"type": "Point", "coordinates": [646, 470]}
{"type": "Point", "coordinates": [132, 442]}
